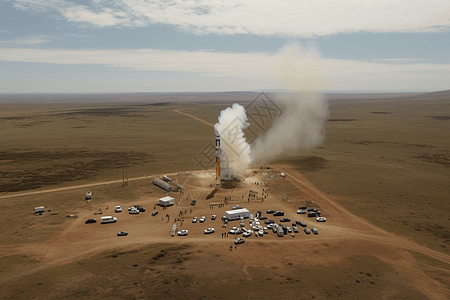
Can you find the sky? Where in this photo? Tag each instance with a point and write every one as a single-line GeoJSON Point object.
{"type": "Point", "coordinates": [110, 46]}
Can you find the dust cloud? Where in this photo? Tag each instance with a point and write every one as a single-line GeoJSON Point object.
{"type": "Point", "coordinates": [305, 108]}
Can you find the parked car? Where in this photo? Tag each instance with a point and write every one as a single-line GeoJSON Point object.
{"type": "Point", "coordinates": [314, 230]}
{"type": "Point", "coordinates": [247, 233]}
{"type": "Point", "coordinates": [183, 232]}
{"type": "Point", "coordinates": [306, 230]}
{"type": "Point", "coordinates": [310, 209]}
{"type": "Point", "coordinates": [239, 241]}
{"type": "Point", "coordinates": [118, 209]}
{"type": "Point", "coordinates": [194, 220]}
{"type": "Point", "coordinates": [202, 219]}
{"type": "Point", "coordinates": [209, 230]}
{"type": "Point", "coordinates": [139, 208]}
{"type": "Point", "coordinates": [311, 214]}
{"type": "Point", "coordinates": [154, 213]}
{"type": "Point", "coordinates": [278, 213]}
{"type": "Point", "coordinates": [88, 221]}
{"type": "Point", "coordinates": [122, 233]}
{"type": "Point", "coordinates": [213, 217]}
{"type": "Point", "coordinates": [129, 208]}
{"type": "Point", "coordinates": [285, 220]}
{"type": "Point", "coordinates": [321, 219]}
{"type": "Point", "coordinates": [301, 211]}
{"type": "Point", "coordinates": [295, 229]}
{"type": "Point", "coordinates": [302, 207]}
{"type": "Point", "coordinates": [263, 218]}
{"type": "Point", "coordinates": [289, 230]}
{"type": "Point", "coordinates": [270, 211]}
{"type": "Point", "coordinates": [301, 223]}
{"type": "Point", "coordinates": [134, 211]}
{"type": "Point", "coordinates": [271, 225]}
{"type": "Point", "coordinates": [269, 221]}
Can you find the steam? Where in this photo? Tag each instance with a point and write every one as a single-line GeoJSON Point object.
{"type": "Point", "coordinates": [235, 154]}
{"type": "Point", "coordinates": [305, 109]}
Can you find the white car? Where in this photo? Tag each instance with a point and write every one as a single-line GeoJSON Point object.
{"type": "Point", "coordinates": [260, 232]}
{"type": "Point", "coordinates": [247, 233]}
{"type": "Point", "coordinates": [202, 219]}
{"type": "Point", "coordinates": [183, 232]}
{"type": "Point", "coordinates": [118, 209]}
{"type": "Point", "coordinates": [301, 211]}
{"type": "Point", "coordinates": [133, 211]}
{"type": "Point", "coordinates": [321, 219]}
{"type": "Point", "coordinates": [235, 228]}
{"type": "Point", "coordinates": [209, 230]}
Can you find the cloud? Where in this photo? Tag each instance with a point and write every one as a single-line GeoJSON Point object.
{"type": "Point", "coordinates": [292, 18]}
{"type": "Point", "coordinates": [26, 41]}
{"type": "Point", "coordinates": [254, 70]}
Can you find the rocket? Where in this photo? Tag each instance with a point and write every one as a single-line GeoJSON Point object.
{"type": "Point", "coordinates": [217, 158]}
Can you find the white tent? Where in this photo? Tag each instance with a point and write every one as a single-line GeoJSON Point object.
{"type": "Point", "coordinates": [167, 201]}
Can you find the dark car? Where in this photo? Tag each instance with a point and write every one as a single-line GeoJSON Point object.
{"type": "Point", "coordinates": [300, 223]}
{"type": "Point", "coordinates": [88, 221]}
{"type": "Point", "coordinates": [140, 208]}
{"type": "Point", "coordinates": [285, 220]}
{"type": "Point", "coordinates": [154, 213]}
{"type": "Point", "coordinates": [278, 213]}
{"type": "Point", "coordinates": [263, 218]}
{"type": "Point", "coordinates": [311, 214]}
{"type": "Point", "coordinates": [302, 207]}
{"type": "Point", "coordinates": [269, 221]}
{"type": "Point", "coordinates": [122, 233]}
{"type": "Point", "coordinates": [294, 224]}
{"type": "Point", "coordinates": [270, 211]}
{"type": "Point", "coordinates": [310, 209]}
{"type": "Point", "coordinates": [306, 230]}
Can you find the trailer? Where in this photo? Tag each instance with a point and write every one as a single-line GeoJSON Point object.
{"type": "Point", "coordinates": [167, 201]}
{"type": "Point", "coordinates": [108, 219]}
{"type": "Point", "coordinates": [237, 214]}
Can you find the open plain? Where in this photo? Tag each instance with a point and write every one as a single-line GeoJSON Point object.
{"type": "Point", "coordinates": [381, 178]}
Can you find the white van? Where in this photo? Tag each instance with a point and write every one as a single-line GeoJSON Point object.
{"type": "Point", "coordinates": [108, 219]}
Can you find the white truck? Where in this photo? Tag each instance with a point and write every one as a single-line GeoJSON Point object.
{"type": "Point", "coordinates": [108, 219]}
{"type": "Point", "coordinates": [39, 210]}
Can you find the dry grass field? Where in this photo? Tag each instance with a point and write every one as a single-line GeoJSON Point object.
{"type": "Point", "coordinates": [381, 178]}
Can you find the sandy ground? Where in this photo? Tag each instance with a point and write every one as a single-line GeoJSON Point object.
{"type": "Point", "coordinates": [352, 257]}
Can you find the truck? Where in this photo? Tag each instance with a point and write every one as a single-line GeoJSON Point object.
{"type": "Point", "coordinates": [108, 219]}
{"type": "Point", "coordinates": [39, 210]}
{"type": "Point", "coordinates": [280, 231]}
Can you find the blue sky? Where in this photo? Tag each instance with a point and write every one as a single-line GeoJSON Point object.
{"type": "Point", "coordinates": [97, 46]}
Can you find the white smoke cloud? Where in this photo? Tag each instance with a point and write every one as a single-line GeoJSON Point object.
{"type": "Point", "coordinates": [235, 149]}
{"type": "Point", "coordinates": [305, 109]}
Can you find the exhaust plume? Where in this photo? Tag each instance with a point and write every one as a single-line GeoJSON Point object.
{"type": "Point", "coordinates": [305, 109]}
{"type": "Point", "coordinates": [235, 151]}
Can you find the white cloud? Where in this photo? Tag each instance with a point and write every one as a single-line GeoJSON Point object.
{"type": "Point", "coordinates": [250, 70]}
{"type": "Point", "coordinates": [306, 18]}
{"type": "Point", "coordinates": [26, 41]}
